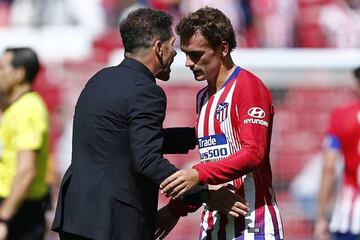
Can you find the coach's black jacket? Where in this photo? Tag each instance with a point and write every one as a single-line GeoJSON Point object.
{"type": "Point", "coordinates": [110, 191]}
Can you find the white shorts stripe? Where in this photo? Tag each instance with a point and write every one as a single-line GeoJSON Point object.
{"type": "Point", "coordinates": [249, 189]}
{"type": "Point", "coordinates": [278, 218]}
{"type": "Point", "coordinates": [204, 225]}
{"type": "Point", "coordinates": [269, 228]}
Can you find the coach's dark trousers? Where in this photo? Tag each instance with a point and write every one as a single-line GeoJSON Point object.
{"type": "Point", "coordinates": [121, 227]}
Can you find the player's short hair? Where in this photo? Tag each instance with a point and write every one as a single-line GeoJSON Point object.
{"type": "Point", "coordinates": [27, 58]}
{"type": "Point", "coordinates": [143, 26]}
{"type": "Point", "coordinates": [357, 73]}
{"type": "Point", "coordinates": [209, 22]}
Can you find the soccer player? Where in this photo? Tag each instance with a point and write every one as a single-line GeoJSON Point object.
{"type": "Point", "coordinates": [234, 124]}
{"type": "Point", "coordinates": [24, 148]}
{"type": "Point", "coordinates": [343, 137]}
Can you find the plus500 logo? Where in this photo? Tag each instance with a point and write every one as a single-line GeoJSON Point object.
{"type": "Point", "coordinates": [214, 153]}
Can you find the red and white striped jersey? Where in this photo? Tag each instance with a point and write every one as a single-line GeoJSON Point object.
{"type": "Point", "coordinates": [234, 131]}
{"type": "Point", "coordinates": [345, 127]}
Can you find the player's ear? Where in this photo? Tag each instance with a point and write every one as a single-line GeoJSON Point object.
{"type": "Point", "coordinates": [224, 48]}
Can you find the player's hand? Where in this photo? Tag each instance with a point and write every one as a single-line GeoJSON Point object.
{"type": "Point", "coordinates": [321, 229]}
{"type": "Point", "coordinates": [224, 200]}
{"type": "Point", "coordinates": [3, 231]}
{"type": "Point", "coordinates": [179, 183]}
{"type": "Point", "coordinates": [165, 222]}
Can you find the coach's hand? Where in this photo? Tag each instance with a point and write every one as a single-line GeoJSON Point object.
{"type": "Point", "coordinates": [224, 200]}
{"type": "Point", "coordinates": [179, 183]}
{"type": "Point", "coordinates": [165, 222]}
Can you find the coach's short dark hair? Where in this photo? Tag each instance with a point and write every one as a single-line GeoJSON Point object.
{"type": "Point", "coordinates": [142, 26]}
{"type": "Point", "coordinates": [211, 23]}
{"type": "Point", "coordinates": [27, 58]}
{"type": "Point", "coordinates": [357, 73]}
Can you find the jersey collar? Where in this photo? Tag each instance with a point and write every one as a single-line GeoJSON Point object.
{"type": "Point", "coordinates": [232, 76]}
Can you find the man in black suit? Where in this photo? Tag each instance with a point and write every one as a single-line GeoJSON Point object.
{"type": "Point", "coordinates": [110, 191]}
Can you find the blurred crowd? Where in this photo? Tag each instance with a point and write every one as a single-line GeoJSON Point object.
{"type": "Point", "coordinates": [259, 23]}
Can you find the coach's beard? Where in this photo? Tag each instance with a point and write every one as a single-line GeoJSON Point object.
{"type": "Point", "coordinates": [164, 75]}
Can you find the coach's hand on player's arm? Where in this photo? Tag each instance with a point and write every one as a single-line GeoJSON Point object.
{"type": "Point", "coordinates": [165, 222]}
{"type": "Point", "coordinates": [222, 199]}
{"type": "Point", "coordinates": [179, 183]}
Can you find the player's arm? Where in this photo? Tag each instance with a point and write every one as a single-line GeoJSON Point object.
{"type": "Point", "coordinates": [25, 174]}
{"type": "Point", "coordinates": [254, 144]}
{"type": "Point", "coordinates": [328, 179]}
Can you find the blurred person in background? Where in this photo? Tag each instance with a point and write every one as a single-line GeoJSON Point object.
{"type": "Point", "coordinates": [173, 7]}
{"type": "Point", "coordinates": [343, 137]}
{"type": "Point", "coordinates": [24, 131]}
{"type": "Point", "coordinates": [235, 115]}
{"type": "Point", "coordinates": [114, 8]}
{"type": "Point", "coordinates": [338, 21]}
{"type": "Point", "coordinates": [86, 13]}
{"type": "Point", "coordinates": [5, 6]}
{"type": "Point", "coordinates": [273, 22]}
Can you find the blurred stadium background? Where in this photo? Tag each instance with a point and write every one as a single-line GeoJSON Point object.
{"type": "Point", "coordinates": [304, 50]}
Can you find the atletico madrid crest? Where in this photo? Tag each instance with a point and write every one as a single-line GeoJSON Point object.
{"type": "Point", "coordinates": [221, 111]}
